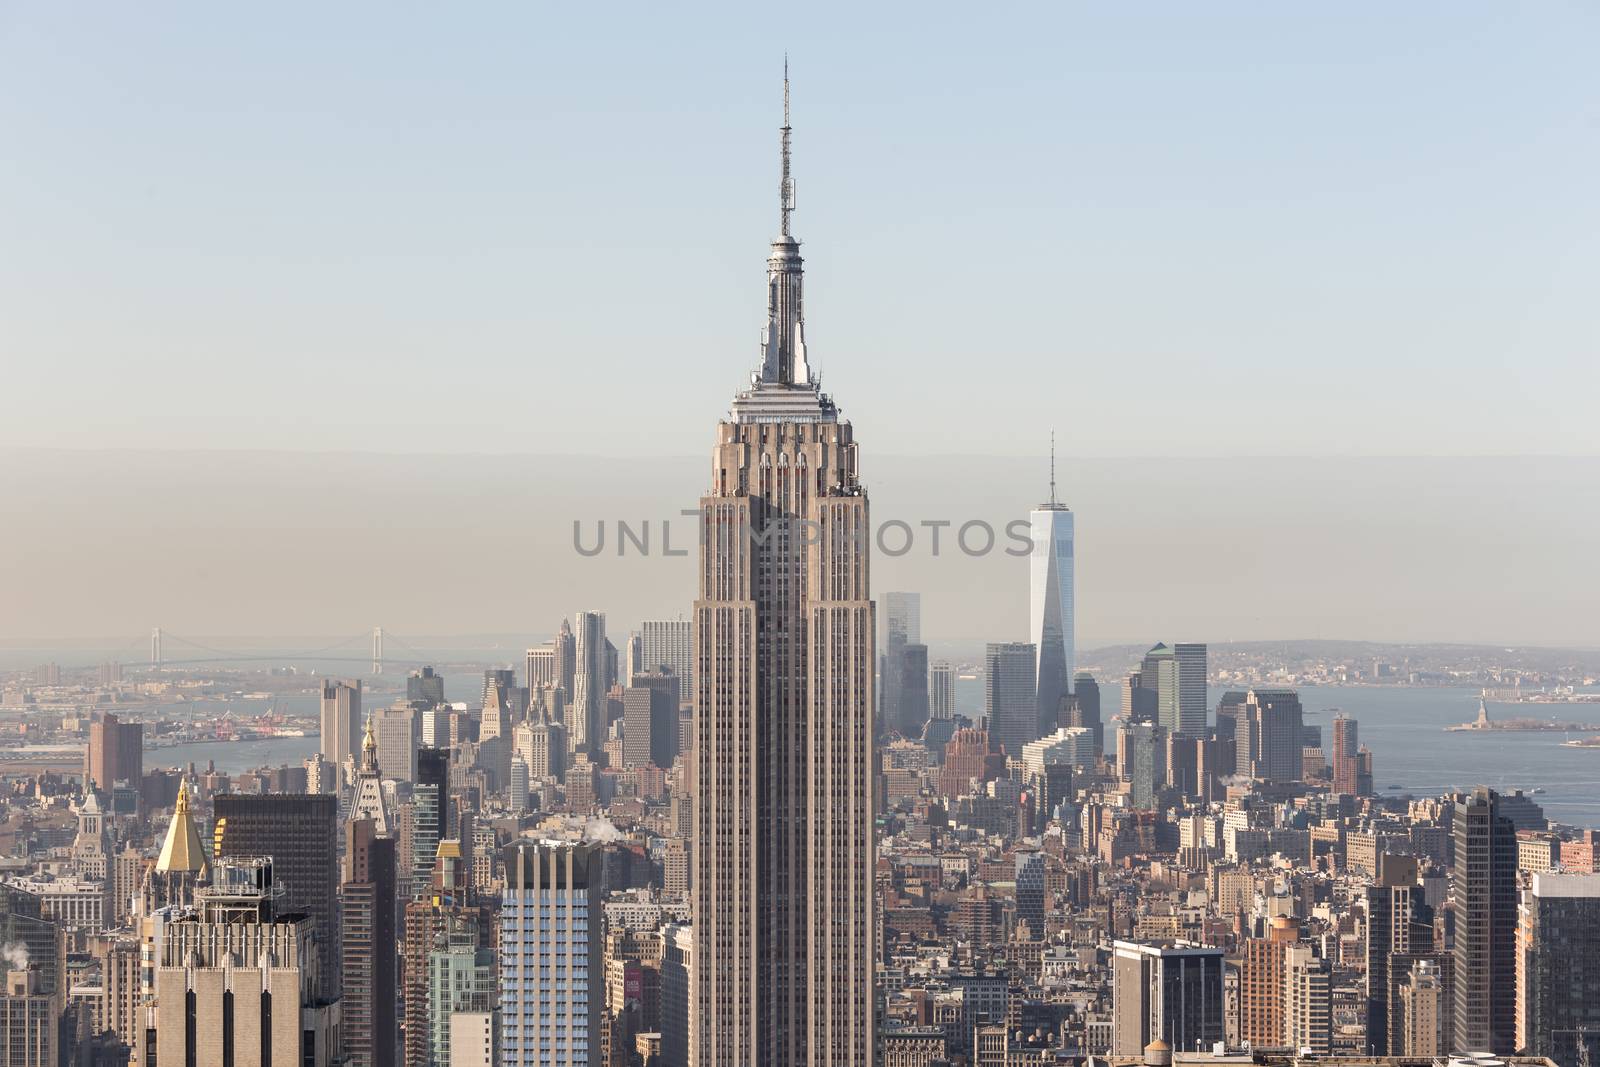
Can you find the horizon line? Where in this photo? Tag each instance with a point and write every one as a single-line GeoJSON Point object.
{"type": "Point", "coordinates": [634, 458]}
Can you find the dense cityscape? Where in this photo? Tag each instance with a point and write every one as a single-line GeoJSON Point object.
{"type": "Point", "coordinates": [768, 828]}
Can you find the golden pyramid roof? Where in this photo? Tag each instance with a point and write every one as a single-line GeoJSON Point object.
{"type": "Point", "coordinates": [182, 852]}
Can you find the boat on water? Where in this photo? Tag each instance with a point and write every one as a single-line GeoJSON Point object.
{"type": "Point", "coordinates": [1396, 787]}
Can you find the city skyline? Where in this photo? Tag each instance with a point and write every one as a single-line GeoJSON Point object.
{"type": "Point", "coordinates": [1374, 558]}
{"type": "Point", "coordinates": [776, 780]}
{"type": "Point", "coordinates": [785, 944]}
{"type": "Point", "coordinates": [1192, 547]}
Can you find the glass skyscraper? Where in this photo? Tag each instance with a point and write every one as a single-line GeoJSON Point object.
{"type": "Point", "coordinates": [1009, 695]}
{"type": "Point", "coordinates": [1050, 607]}
{"type": "Point", "coordinates": [902, 630]}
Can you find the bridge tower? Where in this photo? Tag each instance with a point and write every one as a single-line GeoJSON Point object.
{"type": "Point", "coordinates": [377, 650]}
{"type": "Point", "coordinates": [155, 647]}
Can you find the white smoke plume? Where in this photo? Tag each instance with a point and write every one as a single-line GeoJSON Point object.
{"type": "Point", "coordinates": [16, 956]}
{"type": "Point", "coordinates": [600, 831]}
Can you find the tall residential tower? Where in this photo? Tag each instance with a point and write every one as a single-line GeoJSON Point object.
{"type": "Point", "coordinates": [1483, 894]}
{"type": "Point", "coordinates": [785, 634]}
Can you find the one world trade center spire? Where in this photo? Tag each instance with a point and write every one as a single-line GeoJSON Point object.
{"type": "Point", "coordinates": [1050, 601]}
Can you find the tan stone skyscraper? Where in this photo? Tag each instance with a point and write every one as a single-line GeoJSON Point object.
{"type": "Point", "coordinates": [784, 646]}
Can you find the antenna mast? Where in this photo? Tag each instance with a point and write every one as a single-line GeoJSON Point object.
{"type": "Point", "coordinates": [786, 187]}
{"type": "Point", "coordinates": [1052, 467]}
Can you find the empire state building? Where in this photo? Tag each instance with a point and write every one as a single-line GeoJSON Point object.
{"type": "Point", "coordinates": [784, 642]}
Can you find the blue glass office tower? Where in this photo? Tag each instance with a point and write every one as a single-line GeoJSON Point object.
{"type": "Point", "coordinates": [1050, 608]}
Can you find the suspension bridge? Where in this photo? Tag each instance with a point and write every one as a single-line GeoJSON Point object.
{"type": "Point", "coordinates": [190, 652]}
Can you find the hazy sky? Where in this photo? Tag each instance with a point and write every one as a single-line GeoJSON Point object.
{"type": "Point", "coordinates": [111, 544]}
{"type": "Point", "coordinates": [1162, 229]}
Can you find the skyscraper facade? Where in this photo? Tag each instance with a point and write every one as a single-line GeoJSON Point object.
{"type": "Point", "coordinates": [1167, 993]}
{"type": "Point", "coordinates": [1230, 716]}
{"type": "Point", "coordinates": [970, 758]}
{"type": "Point", "coordinates": [1261, 974]}
{"type": "Point", "coordinates": [1351, 764]}
{"type": "Point", "coordinates": [669, 643]}
{"type": "Point", "coordinates": [902, 626]}
{"type": "Point", "coordinates": [1141, 762]}
{"type": "Point", "coordinates": [1483, 895]}
{"type": "Point", "coordinates": [632, 655]}
{"type": "Point", "coordinates": [1558, 967]}
{"type": "Point", "coordinates": [1138, 703]}
{"type": "Point", "coordinates": [1307, 1000]}
{"type": "Point", "coordinates": [650, 720]}
{"type": "Point", "coordinates": [1158, 676]}
{"type": "Point", "coordinates": [941, 691]}
{"type": "Point", "coordinates": [541, 745]}
{"type": "Point", "coordinates": [902, 617]}
{"type": "Point", "coordinates": [24, 922]}
{"type": "Point", "coordinates": [445, 903]}
{"type": "Point", "coordinates": [586, 713]}
{"type": "Point", "coordinates": [501, 679]}
{"type": "Point", "coordinates": [677, 955]}
{"type": "Point", "coordinates": [540, 668]}
{"type": "Point", "coordinates": [505, 703]}
{"type": "Point", "coordinates": [430, 816]}
{"type": "Point", "coordinates": [911, 698]}
{"type": "Point", "coordinates": [115, 753]}
{"type": "Point", "coordinates": [1084, 709]}
{"type": "Point", "coordinates": [1009, 696]}
{"type": "Point", "coordinates": [566, 649]}
{"type": "Point", "coordinates": [367, 933]}
{"type": "Point", "coordinates": [1399, 932]}
{"type": "Point", "coordinates": [28, 1021]}
{"type": "Point", "coordinates": [1030, 890]}
{"type": "Point", "coordinates": [461, 981]}
{"type": "Point", "coordinates": [1050, 603]}
{"type": "Point", "coordinates": [1422, 1018]}
{"type": "Point", "coordinates": [425, 687]}
{"type": "Point", "coordinates": [341, 720]}
{"type": "Point", "coordinates": [1268, 735]}
{"type": "Point", "coordinates": [399, 733]}
{"type": "Point", "coordinates": [785, 634]}
{"type": "Point", "coordinates": [301, 834]}
{"type": "Point", "coordinates": [551, 966]}
{"type": "Point", "coordinates": [1192, 716]}
{"type": "Point", "coordinates": [240, 974]}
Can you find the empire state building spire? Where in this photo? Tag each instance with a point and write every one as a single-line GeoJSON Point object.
{"type": "Point", "coordinates": [783, 343]}
{"type": "Point", "coordinates": [786, 185]}
{"type": "Point", "coordinates": [782, 883]}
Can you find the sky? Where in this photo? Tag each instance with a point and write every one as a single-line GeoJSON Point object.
{"type": "Point", "coordinates": [1159, 229]}
{"type": "Point", "coordinates": [314, 318]}
{"type": "Point", "coordinates": [107, 545]}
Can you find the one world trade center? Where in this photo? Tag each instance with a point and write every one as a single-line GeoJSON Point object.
{"type": "Point", "coordinates": [1050, 609]}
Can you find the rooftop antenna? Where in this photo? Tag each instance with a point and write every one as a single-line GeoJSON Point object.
{"type": "Point", "coordinates": [786, 188]}
{"type": "Point", "coordinates": [1052, 467]}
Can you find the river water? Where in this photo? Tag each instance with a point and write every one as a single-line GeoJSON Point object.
{"type": "Point", "coordinates": [1403, 726]}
